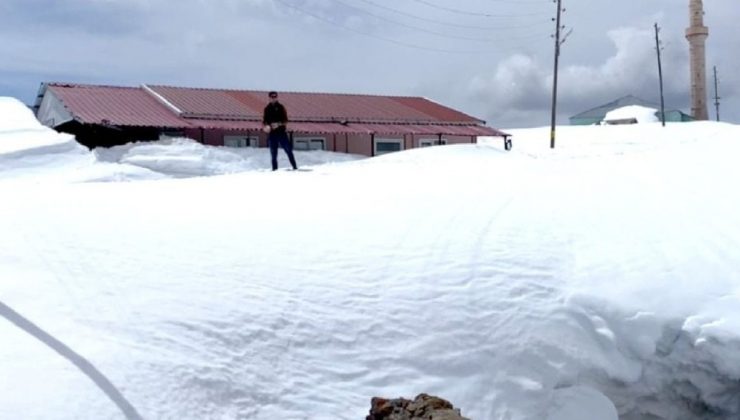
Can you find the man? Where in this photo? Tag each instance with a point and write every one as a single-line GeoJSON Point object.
{"type": "Point", "coordinates": [274, 120]}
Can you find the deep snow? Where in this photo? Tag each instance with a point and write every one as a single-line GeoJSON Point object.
{"type": "Point", "coordinates": [574, 283]}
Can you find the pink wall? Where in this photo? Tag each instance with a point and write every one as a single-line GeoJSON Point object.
{"type": "Point", "coordinates": [450, 139]}
{"type": "Point", "coordinates": [360, 144]}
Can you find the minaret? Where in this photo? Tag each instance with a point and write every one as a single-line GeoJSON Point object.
{"type": "Point", "coordinates": [697, 35]}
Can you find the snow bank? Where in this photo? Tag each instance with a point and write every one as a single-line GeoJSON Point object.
{"type": "Point", "coordinates": [650, 247]}
{"type": "Point", "coordinates": [16, 116]}
{"type": "Point", "coordinates": [31, 152]}
{"type": "Point", "coordinates": [183, 157]}
{"type": "Point", "coordinates": [640, 113]}
{"type": "Point", "coordinates": [22, 134]}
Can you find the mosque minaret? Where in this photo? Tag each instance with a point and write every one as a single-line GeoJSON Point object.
{"type": "Point", "coordinates": [697, 35]}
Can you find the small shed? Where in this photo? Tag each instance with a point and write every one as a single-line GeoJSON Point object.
{"type": "Point", "coordinates": [596, 115]}
{"type": "Point", "coordinates": [351, 123]}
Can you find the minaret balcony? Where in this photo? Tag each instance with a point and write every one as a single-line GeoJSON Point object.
{"type": "Point", "coordinates": [696, 31]}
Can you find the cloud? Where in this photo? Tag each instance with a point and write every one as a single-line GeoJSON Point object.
{"type": "Point", "coordinates": [84, 16]}
{"type": "Point", "coordinates": [353, 46]}
{"type": "Point", "coordinates": [521, 86]}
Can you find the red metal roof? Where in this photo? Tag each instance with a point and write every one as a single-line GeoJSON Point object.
{"type": "Point", "coordinates": [206, 102]}
{"type": "Point", "coordinates": [436, 111]}
{"type": "Point", "coordinates": [115, 105]}
{"type": "Point", "coordinates": [316, 107]}
{"type": "Point", "coordinates": [319, 113]}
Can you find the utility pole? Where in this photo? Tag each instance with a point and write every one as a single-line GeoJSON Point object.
{"type": "Point", "coordinates": [716, 92]}
{"type": "Point", "coordinates": [555, 75]}
{"type": "Point", "coordinates": [660, 75]}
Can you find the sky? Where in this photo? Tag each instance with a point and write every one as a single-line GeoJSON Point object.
{"type": "Point", "coordinates": [491, 59]}
{"type": "Point", "coordinates": [199, 284]}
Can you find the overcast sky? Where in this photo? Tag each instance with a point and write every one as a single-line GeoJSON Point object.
{"type": "Point", "coordinates": [490, 58]}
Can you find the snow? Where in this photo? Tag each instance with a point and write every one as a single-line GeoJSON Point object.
{"type": "Point", "coordinates": [597, 280]}
{"type": "Point", "coordinates": [640, 113]}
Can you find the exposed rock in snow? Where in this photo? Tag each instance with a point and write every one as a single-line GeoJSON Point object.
{"type": "Point", "coordinates": [423, 407]}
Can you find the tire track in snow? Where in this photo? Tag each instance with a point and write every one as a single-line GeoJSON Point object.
{"type": "Point", "coordinates": [87, 368]}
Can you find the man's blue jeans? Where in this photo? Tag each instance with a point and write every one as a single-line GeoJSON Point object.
{"type": "Point", "coordinates": [280, 138]}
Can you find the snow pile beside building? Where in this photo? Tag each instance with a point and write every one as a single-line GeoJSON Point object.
{"type": "Point", "coordinates": [31, 152]}
{"type": "Point", "coordinates": [631, 114]}
{"type": "Point", "coordinates": [183, 157]}
{"type": "Point", "coordinates": [23, 140]}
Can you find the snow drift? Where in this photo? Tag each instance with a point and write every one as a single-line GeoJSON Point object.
{"type": "Point", "coordinates": [596, 280]}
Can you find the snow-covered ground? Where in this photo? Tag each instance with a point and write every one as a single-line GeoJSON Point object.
{"type": "Point", "coordinates": [598, 278]}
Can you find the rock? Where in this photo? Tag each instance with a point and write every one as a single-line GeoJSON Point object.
{"type": "Point", "coordinates": [423, 407]}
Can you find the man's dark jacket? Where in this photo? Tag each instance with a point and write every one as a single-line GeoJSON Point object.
{"type": "Point", "coordinates": [275, 113]}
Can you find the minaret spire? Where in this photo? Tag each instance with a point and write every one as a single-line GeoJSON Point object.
{"type": "Point", "coordinates": [697, 35]}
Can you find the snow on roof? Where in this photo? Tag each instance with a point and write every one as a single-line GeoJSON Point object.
{"type": "Point", "coordinates": [641, 114]}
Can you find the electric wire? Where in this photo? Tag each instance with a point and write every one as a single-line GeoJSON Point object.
{"type": "Point", "coordinates": [456, 25]}
{"type": "Point", "coordinates": [395, 22]}
{"type": "Point", "coordinates": [393, 41]}
{"type": "Point", "coordinates": [480, 14]}
{"type": "Point", "coordinates": [402, 43]}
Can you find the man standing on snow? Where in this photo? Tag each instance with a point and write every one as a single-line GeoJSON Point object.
{"type": "Point", "coordinates": [274, 120]}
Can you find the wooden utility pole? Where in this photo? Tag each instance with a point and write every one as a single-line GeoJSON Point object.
{"type": "Point", "coordinates": [660, 75]}
{"type": "Point", "coordinates": [555, 76]}
{"type": "Point", "coordinates": [716, 92]}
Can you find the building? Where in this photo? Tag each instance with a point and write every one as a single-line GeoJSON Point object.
{"type": "Point", "coordinates": [360, 124]}
{"type": "Point", "coordinates": [596, 115]}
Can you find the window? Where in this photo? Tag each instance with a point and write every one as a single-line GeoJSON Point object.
{"type": "Point", "coordinates": [241, 141]}
{"type": "Point", "coordinates": [383, 146]}
{"type": "Point", "coordinates": [309, 143]}
{"type": "Point", "coordinates": [431, 142]}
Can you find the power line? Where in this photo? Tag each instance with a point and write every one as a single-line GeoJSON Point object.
{"type": "Point", "coordinates": [481, 14]}
{"type": "Point", "coordinates": [395, 22]}
{"type": "Point", "coordinates": [391, 40]}
{"type": "Point", "coordinates": [457, 25]}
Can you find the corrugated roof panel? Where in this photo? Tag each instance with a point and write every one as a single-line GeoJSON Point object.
{"type": "Point", "coordinates": [207, 102]}
{"type": "Point", "coordinates": [125, 106]}
{"type": "Point", "coordinates": [436, 111]}
{"type": "Point", "coordinates": [242, 110]}
{"type": "Point", "coordinates": [254, 101]}
{"type": "Point", "coordinates": [316, 107]}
